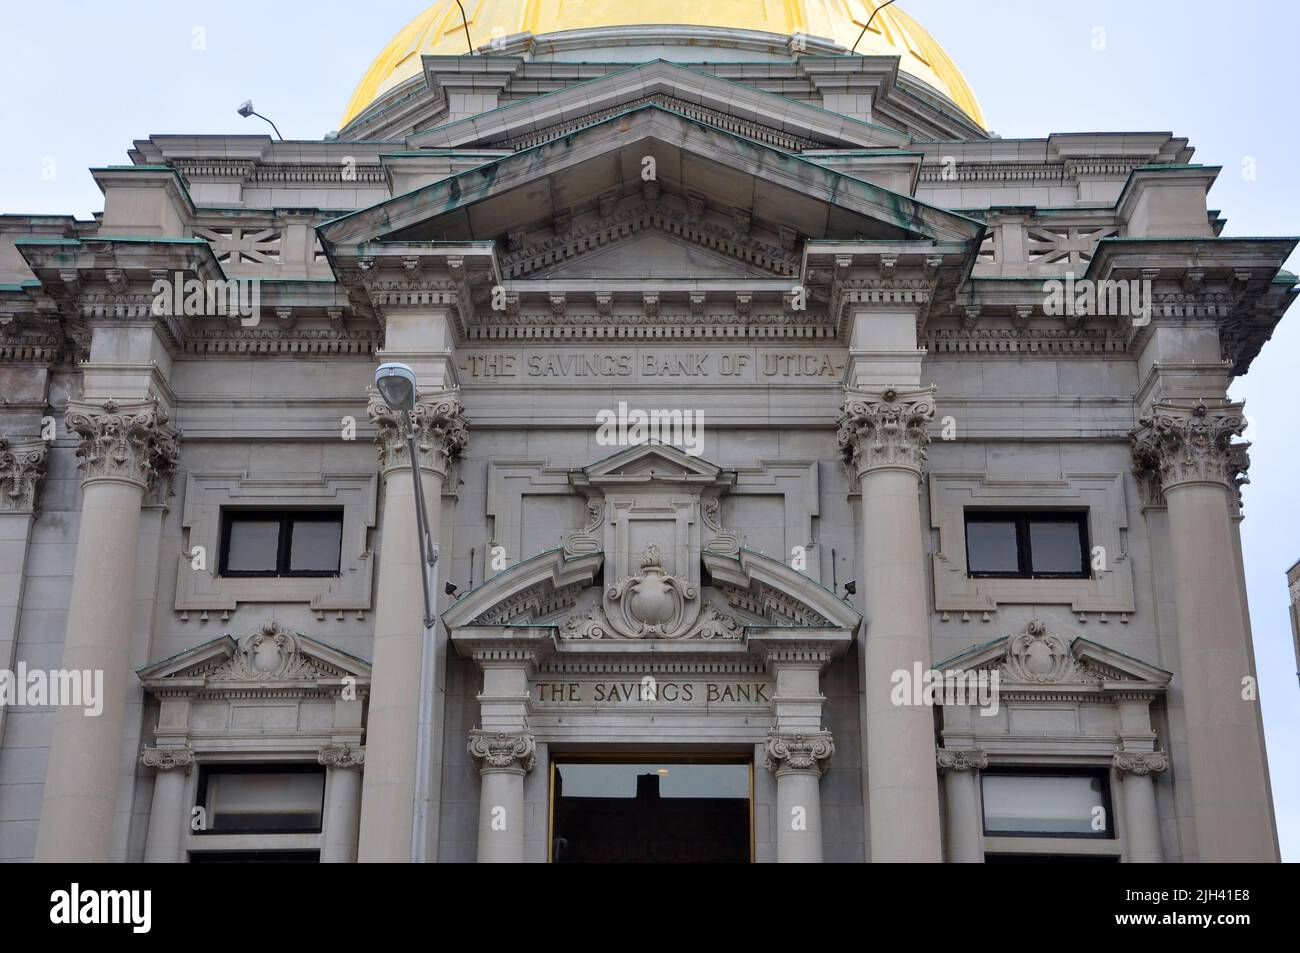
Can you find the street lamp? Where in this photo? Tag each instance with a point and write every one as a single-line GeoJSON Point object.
{"type": "Point", "coordinates": [396, 385]}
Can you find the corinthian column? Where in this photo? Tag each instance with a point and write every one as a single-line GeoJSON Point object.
{"type": "Point", "coordinates": [1142, 822]}
{"type": "Point", "coordinates": [960, 769]}
{"type": "Point", "coordinates": [125, 449]}
{"type": "Point", "coordinates": [799, 760]}
{"type": "Point", "coordinates": [167, 814]}
{"type": "Point", "coordinates": [388, 792]}
{"type": "Point", "coordinates": [882, 433]}
{"type": "Point", "coordinates": [1187, 454]}
{"type": "Point", "coordinates": [503, 757]}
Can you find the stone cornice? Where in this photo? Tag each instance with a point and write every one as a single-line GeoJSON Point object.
{"type": "Point", "coordinates": [809, 752]}
{"type": "Point", "coordinates": [129, 442]}
{"type": "Point", "coordinates": [22, 469]}
{"type": "Point", "coordinates": [885, 428]}
{"type": "Point", "coordinates": [513, 751]}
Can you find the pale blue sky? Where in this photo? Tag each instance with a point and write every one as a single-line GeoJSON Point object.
{"type": "Point", "coordinates": [80, 80]}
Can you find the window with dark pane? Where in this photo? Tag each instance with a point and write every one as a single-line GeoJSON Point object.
{"type": "Point", "coordinates": [262, 799]}
{"type": "Point", "coordinates": [1046, 804]}
{"type": "Point", "coordinates": [281, 543]}
{"type": "Point", "coordinates": [1027, 544]}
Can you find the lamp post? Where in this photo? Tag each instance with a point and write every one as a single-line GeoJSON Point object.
{"type": "Point", "coordinates": [396, 385]}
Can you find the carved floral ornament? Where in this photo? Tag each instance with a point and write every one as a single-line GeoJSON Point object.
{"type": "Point", "coordinates": [269, 654]}
{"type": "Point", "coordinates": [651, 605]}
{"type": "Point", "coordinates": [961, 759]}
{"type": "Point", "coordinates": [1140, 763]}
{"type": "Point", "coordinates": [503, 750]}
{"type": "Point", "coordinates": [131, 442]}
{"type": "Point", "coordinates": [886, 428]}
{"type": "Point", "coordinates": [1174, 445]}
{"type": "Point", "coordinates": [167, 759]}
{"type": "Point", "coordinates": [22, 466]}
{"type": "Point", "coordinates": [799, 751]}
{"type": "Point", "coordinates": [341, 756]}
{"type": "Point", "coordinates": [441, 430]}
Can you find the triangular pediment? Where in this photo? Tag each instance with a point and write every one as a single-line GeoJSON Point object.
{"type": "Point", "coordinates": [654, 254]}
{"type": "Point", "coordinates": [651, 462]}
{"type": "Point", "coordinates": [741, 199]}
{"type": "Point", "coordinates": [269, 656]}
{"type": "Point", "coordinates": [1038, 655]}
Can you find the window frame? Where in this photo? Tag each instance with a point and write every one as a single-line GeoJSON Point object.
{"type": "Point", "coordinates": [284, 541]}
{"type": "Point", "coordinates": [1101, 774]}
{"type": "Point", "coordinates": [1021, 519]}
{"type": "Point", "coordinates": [207, 770]}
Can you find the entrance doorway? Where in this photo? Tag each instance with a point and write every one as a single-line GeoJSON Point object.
{"type": "Point", "coordinates": [651, 811]}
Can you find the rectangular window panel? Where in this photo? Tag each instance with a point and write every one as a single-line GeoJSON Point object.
{"type": "Point", "coordinates": [992, 547]}
{"type": "Point", "coordinates": [1027, 544]}
{"type": "Point", "coordinates": [1052, 805]}
{"type": "Point", "coordinates": [1056, 546]}
{"type": "Point", "coordinates": [651, 812]}
{"type": "Point", "coordinates": [314, 545]}
{"type": "Point", "coordinates": [290, 543]}
{"type": "Point", "coordinates": [248, 800]}
{"type": "Point", "coordinates": [254, 545]}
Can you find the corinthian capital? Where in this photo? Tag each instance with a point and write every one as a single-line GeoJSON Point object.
{"type": "Point", "coordinates": [885, 428]}
{"type": "Point", "coordinates": [130, 442]}
{"type": "Point", "coordinates": [503, 750]}
{"type": "Point", "coordinates": [441, 430]}
{"type": "Point", "coordinates": [1177, 444]}
{"type": "Point", "coordinates": [167, 759]}
{"type": "Point", "coordinates": [797, 751]}
{"type": "Point", "coordinates": [1141, 763]}
{"type": "Point", "coordinates": [22, 466]}
{"type": "Point", "coordinates": [961, 759]}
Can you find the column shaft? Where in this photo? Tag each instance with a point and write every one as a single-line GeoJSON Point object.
{"type": "Point", "coordinates": [81, 782]}
{"type": "Point", "coordinates": [798, 817]}
{"type": "Point", "coordinates": [167, 813]}
{"type": "Point", "coordinates": [342, 815]}
{"type": "Point", "coordinates": [965, 818]}
{"type": "Point", "coordinates": [1229, 779]}
{"type": "Point", "coordinates": [501, 816]}
{"type": "Point", "coordinates": [903, 796]}
{"type": "Point", "coordinates": [388, 801]}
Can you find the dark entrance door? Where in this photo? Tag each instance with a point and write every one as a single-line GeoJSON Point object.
{"type": "Point", "coordinates": [650, 812]}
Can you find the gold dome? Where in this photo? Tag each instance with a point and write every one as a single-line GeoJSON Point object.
{"type": "Point", "coordinates": [438, 30]}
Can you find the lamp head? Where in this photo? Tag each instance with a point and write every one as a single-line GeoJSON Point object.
{"type": "Point", "coordinates": [396, 385]}
{"type": "Point", "coordinates": [246, 109]}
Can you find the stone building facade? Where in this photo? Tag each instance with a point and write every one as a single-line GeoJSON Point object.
{"type": "Point", "coordinates": [757, 382]}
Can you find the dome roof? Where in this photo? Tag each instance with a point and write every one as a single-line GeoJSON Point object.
{"type": "Point", "coordinates": [439, 30]}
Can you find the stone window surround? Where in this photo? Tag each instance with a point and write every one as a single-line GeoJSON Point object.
{"type": "Point", "coordinates": [1108, 593]}
{"type": "Point", "coordinates": [207, 493]}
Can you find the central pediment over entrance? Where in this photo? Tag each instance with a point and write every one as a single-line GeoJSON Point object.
{"type": "Point", "coordinates": [653, 564]}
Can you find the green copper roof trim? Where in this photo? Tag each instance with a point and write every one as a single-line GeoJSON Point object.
{"type": "Point", "coordinates": [851, 183]}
